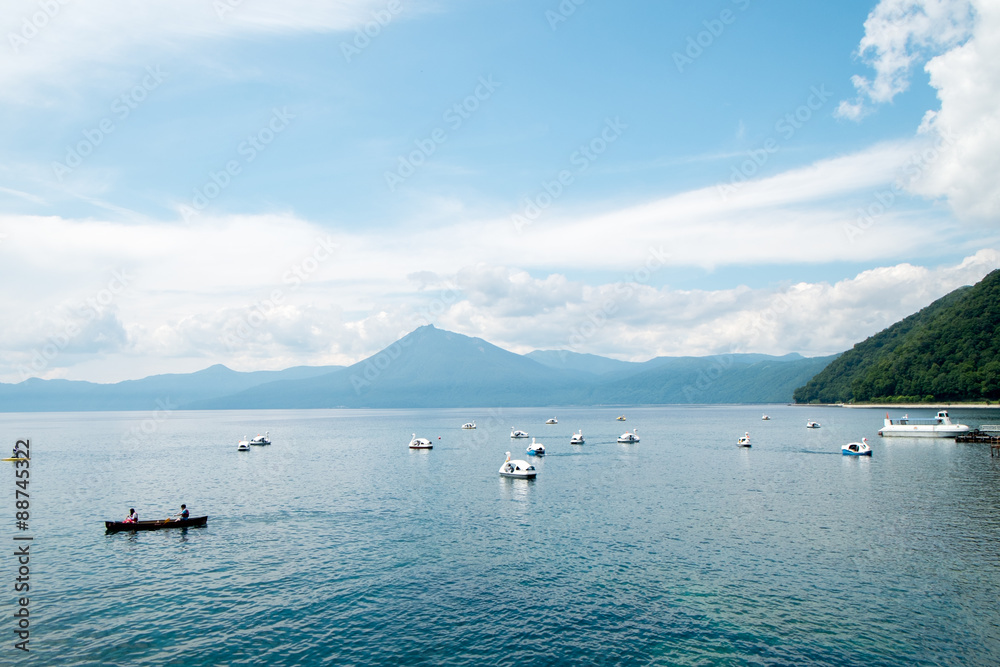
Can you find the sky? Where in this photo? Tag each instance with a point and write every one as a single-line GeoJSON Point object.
{"type": "Point", "coordinates": [266, 184]}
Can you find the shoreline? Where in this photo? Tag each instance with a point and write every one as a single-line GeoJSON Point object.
{"type": "Point", "coordinates": [932, 406]}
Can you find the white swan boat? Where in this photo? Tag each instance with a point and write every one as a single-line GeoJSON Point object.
{"type": "Point", "coordinates": [628, 436]}
{"type": "Point", "coordinates": [469, 425]}
{"type": "Point", "coordinates": [261, 439]}
{"type": "Point", "coordinates": [812, 424]}
{"type": "Point", "coordinates": [518, 434]}
{"type": "Point", "coordinates": [517, 469]}
{"type": "Point", "coordinates": [744, 441]}
{"type": "Point", "coordinates": [940, 426]}
{"type": "Point", "coordinates": [857, 448]}
{"type": "Point", "coordinates": [244, 445]}
{"type": "Point", "coordinates": [577, 438]}
{"type": "Point", "coordinates": [535, 448]}
{"type": "Point", "coordinates": [420, 443]}
{"type": "Point", "coordinates": [764, 418]}
{"type": "Point", "coordinates": [552, 421]}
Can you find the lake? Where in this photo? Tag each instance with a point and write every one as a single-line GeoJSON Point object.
{"type": "Point", "coordinates": [339, 545]}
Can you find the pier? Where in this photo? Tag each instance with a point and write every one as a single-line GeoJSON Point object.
{"type": "Point", "coordinates": [987, 434]}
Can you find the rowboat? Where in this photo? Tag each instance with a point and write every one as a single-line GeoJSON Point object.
{"type": "Point", "coordinates": [116, 526]}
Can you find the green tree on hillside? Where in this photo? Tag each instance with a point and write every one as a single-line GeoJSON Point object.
{"type": "Point", "coordinates": [949, 351]}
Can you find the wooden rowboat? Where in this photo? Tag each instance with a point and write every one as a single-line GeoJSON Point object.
{"type": "Point", "coordinates": [116, 526]}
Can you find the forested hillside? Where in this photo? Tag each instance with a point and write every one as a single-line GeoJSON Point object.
{"type": "Point", "coordinates": [949, 351]}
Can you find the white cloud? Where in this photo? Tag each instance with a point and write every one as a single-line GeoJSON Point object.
{"type": "Point", "coordinates": [968, 82]}
{"type": "Point", "coordinates": [50, 44]}
{"type": "Point", "coordinates": [638, 322]}
{"type": "Point", "coordinates": [899, 34]}
{"type": "Point", "coordinates": [957, 40]}
{"type": "Point", "coordinates": [177, 314]}
{"type": "Point", "coordinates": [270, 291]}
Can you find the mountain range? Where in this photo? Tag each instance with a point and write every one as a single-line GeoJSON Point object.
{"type": "Point", "coordinates": [431, 367]}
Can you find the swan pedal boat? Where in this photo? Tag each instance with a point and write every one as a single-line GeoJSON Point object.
{"type": "Point", "coordinates": [469, 425]}
{"type": "Point", "coordinates": [812, 424]}
{"type": "Point", "coordinates": [552, 421]}
{"type": "Point", "coordinates": [244, 445]}
{"type": "Point", "coordinates": [535, 448]}
{"type": "Point", "coordinates": [744, 441]}
{"type": "Point", "coordinates": [517, 469]}
{"type": "Point", "coordinates": [857, 448]}
{"type": "Point", "coordinates": [120, 526]}
{"type": "Point", "coordinates": [518, 434]}
{"type": "Point", "coordinates": [577, 438]}
{"type": "Point", "coordinates": [420, 443]}
{"type": "Point", "coordinates": [628, 436]}
{"type": "Point", "coordinates": [261, 439]}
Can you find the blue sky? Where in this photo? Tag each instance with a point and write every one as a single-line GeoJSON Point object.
{"type": "Point", "coordinates": [268, 184]}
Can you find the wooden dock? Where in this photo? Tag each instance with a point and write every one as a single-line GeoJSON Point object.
{"type": "Point", "coordinates": [986, 434]}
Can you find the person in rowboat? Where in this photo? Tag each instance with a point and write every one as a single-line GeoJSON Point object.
{"type": "Point", "coordinates": [132, 517]}
{"type": "Point", "coordinates": [183, 514]}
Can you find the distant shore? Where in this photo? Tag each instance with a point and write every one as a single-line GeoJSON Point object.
{"type": "Point", "coordinates": [932, 406]}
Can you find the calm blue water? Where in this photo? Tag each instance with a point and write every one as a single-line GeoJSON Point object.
{"type": "Point", "coordinates": [338, 545]}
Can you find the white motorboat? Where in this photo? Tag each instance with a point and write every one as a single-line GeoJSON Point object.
{"type": "Point", "coordinates": [552, 421]}
{"type": "Point", "coordinates": [628, 436]}
{"type": "Point", "coordinates": [518, 434]}
{"type": "Point", "coordinates": [261, 439]}
{"type": "Point", "coordinates": [812, 424]}
{"type": "Point", "coordinates": [744, 441]}
{"type": "Point", "coordinates": [857, 448]}
{"type": "Point", "coordinates": [764, 418]}
{"type": "Point", "coordinates": [535, 448]}
{"type": "Point", "coordinates": [577, 438]}
{"type": "Point", "coordinates": [469, 425]}
{"type": "Point", "coordinates": [940, 426]}
{"type": "Point", "coordinates": [517, 468]}
{"type": "Point", "coordinates": [244, 445]}
{"type": "Point", "coordinates": [420, 443]}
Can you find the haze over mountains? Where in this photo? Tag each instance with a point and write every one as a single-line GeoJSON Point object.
{"type": "Point", "coordinates": [431, 367]}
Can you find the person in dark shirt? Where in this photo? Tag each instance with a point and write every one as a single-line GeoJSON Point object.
{"type": "Point", "coordinates": [183, 514]}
